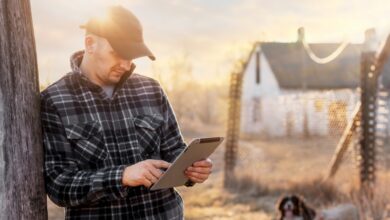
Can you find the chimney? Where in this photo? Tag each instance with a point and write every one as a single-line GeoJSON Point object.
{"type": "Point", "coordinates": [301, 34]}
{"type": "Point", "coordinates": [371, 42]}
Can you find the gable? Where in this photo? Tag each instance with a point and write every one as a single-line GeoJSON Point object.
{"type": "Point", "coordinates": [294, 69]}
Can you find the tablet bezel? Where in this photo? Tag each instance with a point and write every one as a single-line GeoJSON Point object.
{"type": "Point", "coordinates": [180, 170]}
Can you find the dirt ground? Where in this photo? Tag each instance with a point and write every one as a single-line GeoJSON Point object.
{"type": "Point", "coordinates": [278, 163]}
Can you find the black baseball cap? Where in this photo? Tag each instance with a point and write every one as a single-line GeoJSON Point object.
{"type": "Point", "coordinates": [123, 31]}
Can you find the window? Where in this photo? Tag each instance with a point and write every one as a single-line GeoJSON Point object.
{"type": "Point", "coordinates": [258, 67]}
{"type": "Point", "coordinates": [256, 110]}
{"type": "Point", "coordinates": [318, 105]}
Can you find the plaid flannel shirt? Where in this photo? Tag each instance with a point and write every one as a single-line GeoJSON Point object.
{"type": "Point", "coordinates": [89, 139]}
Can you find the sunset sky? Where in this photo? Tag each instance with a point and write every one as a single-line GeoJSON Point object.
{"type": "Point", "coordinates": [211, 33]}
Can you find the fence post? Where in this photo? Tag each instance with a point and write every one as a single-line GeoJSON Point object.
{"type": "Point", "coordinates": [22, 192]}
{"type": "Point", "coordinates": [369, 87]}
{"type": "Point", "coordinates": [233, 127]}
{"type": "Point", "coordinates": [234, 116]}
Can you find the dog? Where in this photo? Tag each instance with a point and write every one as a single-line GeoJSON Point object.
{"type": "Point", "coordinates": [293, 207]}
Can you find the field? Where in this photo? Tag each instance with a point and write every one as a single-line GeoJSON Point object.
{"type": "Point", "coordinates": [266, 170]}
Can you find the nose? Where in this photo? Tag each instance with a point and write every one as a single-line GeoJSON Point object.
{"type": "Point", "coordinates": [125, 64]}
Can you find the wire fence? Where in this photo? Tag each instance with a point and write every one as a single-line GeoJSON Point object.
{"type": "Point", "coordinates": [298, 136]}
{"type": "Point", "coordinates": [291, 139]}
{"type": "Point", "coordinates": [293, 135]}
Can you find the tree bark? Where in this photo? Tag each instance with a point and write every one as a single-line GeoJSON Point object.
{"type": "Point", "coordinates": [22, 192]}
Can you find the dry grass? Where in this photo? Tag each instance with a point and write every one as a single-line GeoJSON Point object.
{"type": "Point", "coordinates": [248, 196]}
{"type": "Point", "coordinates": [374, 205]}
{"type": "Point", "coordinates": [268, 169]}
{"type": "Point", "coordinates": [316, 191]}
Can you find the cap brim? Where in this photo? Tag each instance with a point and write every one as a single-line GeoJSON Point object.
{"type": "Point", "coordinates": [125, 47]}
{"type": "Point", "coordinates": [130, 51]}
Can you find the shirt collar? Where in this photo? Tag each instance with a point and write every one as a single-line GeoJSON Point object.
{"type": "Point", "coordinates": [75, 61]}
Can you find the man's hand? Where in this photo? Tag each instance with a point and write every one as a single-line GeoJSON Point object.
{"type": "Point", "coordinates": [143, 173]}
{"type": "Point", "coordinates": [199, 171]}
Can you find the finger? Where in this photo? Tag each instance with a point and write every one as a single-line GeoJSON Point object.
{"type": "Point", "coordinates": [146, 182]}
{"type": "Point", "coordinates": [203, 170]}
{"type": "Point", "coordinates": [150, 177]}
{"type": "Point", "coordinates": [196, 180]}
{"type": "Point", "coordinates": [157, 173]}
{"type": "Point", "coordinates": [197, 175]}
{"type": "Point", "coordinates": [159, 163]}
{"type": "Point", "coordinates": [203, 163]}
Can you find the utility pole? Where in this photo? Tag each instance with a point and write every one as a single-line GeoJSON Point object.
{"type": "Point", "coordinates": [369, 87]}
{"type": "Point", "coordinates": [22, 191]}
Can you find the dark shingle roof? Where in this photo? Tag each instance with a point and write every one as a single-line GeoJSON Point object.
{"type": "Point", "coordinates": [383, 64]}
{"type": "Point", "coordinates": [294, 69]}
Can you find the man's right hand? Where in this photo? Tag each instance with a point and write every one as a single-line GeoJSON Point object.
{"type": "Point", "coordinates": [144, 173]}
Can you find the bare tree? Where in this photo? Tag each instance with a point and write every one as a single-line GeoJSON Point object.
{"type": "Point", "coordinates": [22, 192]}
{"type": "Point", "coordinates": [177, 81]}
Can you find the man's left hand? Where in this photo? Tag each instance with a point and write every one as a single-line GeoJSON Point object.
{"type": "Point", "coordinates": [199, 171]}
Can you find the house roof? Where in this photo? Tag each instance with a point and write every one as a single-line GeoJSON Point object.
{"type": "Point", "coordinates": [294, 69]}
{"type": "Point", "coordinates": [384, 63]}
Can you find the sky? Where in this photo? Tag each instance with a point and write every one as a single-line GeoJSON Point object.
{"type": "Point", "coordinates": [212, 34]}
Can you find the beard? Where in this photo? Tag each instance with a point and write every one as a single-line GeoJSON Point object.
{"type": "Point", "coordinates": [117, 70]}
{"type": "Point", "coordinates": [115, 74]}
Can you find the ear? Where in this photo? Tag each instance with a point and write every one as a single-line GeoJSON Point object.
{"type": "Point", "coordinates": [280, 205]}
{"type": "Point", "coordinates": [307, 212]}
{"type": "Point", "coordinates": [90, 44]}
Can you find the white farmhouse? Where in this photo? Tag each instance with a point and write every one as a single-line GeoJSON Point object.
{"type": "Point", "coordinates": [286, 93]}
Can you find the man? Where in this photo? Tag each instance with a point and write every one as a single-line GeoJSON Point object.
{"type": "Point", "coordinates": [108, 132]}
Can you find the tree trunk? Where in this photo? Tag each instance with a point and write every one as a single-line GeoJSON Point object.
{"type": "Point", "coordinates": [22, 192]}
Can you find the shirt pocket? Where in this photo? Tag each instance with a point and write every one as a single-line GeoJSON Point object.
{"type": "Point", "coordinates": [88, 144]}
{"type": "Point", "coordinates": [148, 135]}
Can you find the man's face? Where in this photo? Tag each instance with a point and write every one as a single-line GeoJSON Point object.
{"type": "Point", "coordinates": [109, 67]}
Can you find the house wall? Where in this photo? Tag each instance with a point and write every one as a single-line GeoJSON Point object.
{"type": "Point", "coordinates": [255, 109]}
{"type": "Point", "coordinates": [326, 113]}
{"type": "Point", "coordinates": [268, 110]}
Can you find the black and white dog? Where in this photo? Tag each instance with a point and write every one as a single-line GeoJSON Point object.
{"type": "Point", "coordinates": [293, 207]}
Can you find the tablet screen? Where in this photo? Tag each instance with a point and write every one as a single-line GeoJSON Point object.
{"type": "Point", "coordinates": [198, 149]}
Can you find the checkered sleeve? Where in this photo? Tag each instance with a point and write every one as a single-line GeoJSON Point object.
{"type": "Point", "coordinates": [66, 183]}
{"type": "Point", "coordinates": [172, 141]}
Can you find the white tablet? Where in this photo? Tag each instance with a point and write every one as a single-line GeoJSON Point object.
{"type": "Point", "coordinates": [198, 149]}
